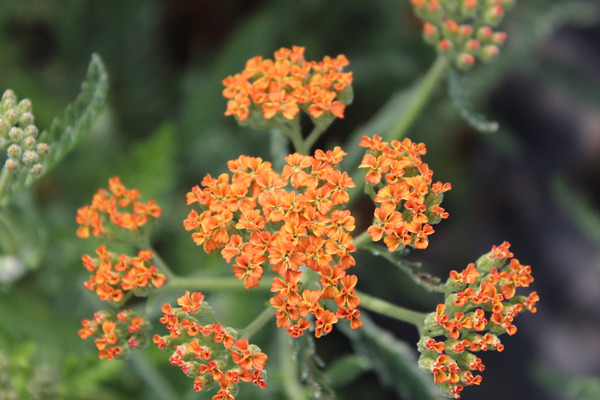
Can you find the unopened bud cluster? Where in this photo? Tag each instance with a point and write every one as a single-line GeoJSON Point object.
{"type": "Point", "coordinates": [463, 30]}
{"type": "Point", "coordinates": [115, 334]}
{"type": "Point", "coordinates": [18, 135]}
{"type": "Point", "coordinates": [481, 304]}
{"type": "Point", "coordinates": [209, 353]}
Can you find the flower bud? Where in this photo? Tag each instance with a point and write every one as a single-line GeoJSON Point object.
{"type": "Point", "coordinates": [8, 104]}
{"type": "Point", "coordinates": [472, 46]}
{"type": "Point", "coordinates": [4, 127]}
{"type": "Point", "coordinates": [499, 38]}
{"type": "Point", "coordinates": [28, 143]}
{"type": "Point", "coordinates": [445, 46]}
{"type": "Point", "coordinates": [11, 117]}
{"type": "Point", "coordinates": [431, 34]}
{"type": "Point", "coordinates": [30, 157]}
{"type": "Point", "coordinates": [43, 150]}
{"type": "Point", "coordinates": [32, 131]}
{"type": "Point", "coordinates": [24, 106]}
{"type": "Point", "coordinates": [14, 151]}
{"type": "Point", "coordinates": [16, 134]}
{"type": "Point", "coordinates": [11, 164]}
{"type": "Point", "coordinates": [36, 170]}
{"type": "Point", "coordinates": [484, 34]}
{"type": "Point", "coordinates": [465, 61]}
{"type": "Point", "coordinates": [489, 52]}
{"type": "Point", "coordinates": [26, 119]}
{"type": "Point", "coordinates": [8, 94]}
{"type": "Point", "coordinates": [493, 15]}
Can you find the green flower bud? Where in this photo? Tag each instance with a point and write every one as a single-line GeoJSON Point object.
{"type": "Point", "coordinates": [11, 164]}
{"type": "Point", "coordinates": [26, 119]}
{"type": "Point", "coordinates": [28, 143]}
{"type": "Point", "coordinates": [4, 127]}
{"type": "Point", "coordinates": [11, 117]}
{"type": "Point", "coordinates": [489, 52]}
{"type": "Point", "coordinates": [24, 106]}
{"type": "Point", "coordinates": [30, 157]}
{"type": "Point", "coordinates": [43, 150]}
{"type": "Point", "coordinates": [8, 104]}
{"type": "Point", "coordinates": [465, 61]}
{"type": "Point", "coordinates": [9, 94]}
{"type": "Point", "coordinates": [32, 131]}
{"type": "Point", "coordinates": [36, 170]}
{"type": "Point", "coordinates": [16, 134]}
{"type": "Point", "coordinates": [14, 151]}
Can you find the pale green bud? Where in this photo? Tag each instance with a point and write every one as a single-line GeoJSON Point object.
{"type": "Point", "coordinates": [32, 131]}
{"type": "Point", "coordinates": [11, 164]}
{"type": "Point", "coordinates": [28, 143]}
{"type": "Point", "coordinates": [26, 119]}
{"type": "Point", "coordinates": [16, 134]}
{"type": "Point", "coordinates": [11, 117]}
{"type": "Point", "coordinates": [30, 157]}
{"type": "Point", "coordinates": [43, 150]}
{"type": "Point", "coordinates": [14, 151]}
{"type": "Point", "coordinates": [36, 170]}
{"type": "Point", "coordinates": [24, 106]}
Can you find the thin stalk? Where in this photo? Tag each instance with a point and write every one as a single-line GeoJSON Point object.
{"type": "Point", "coordinates": [295, 134]}
{"type": "Point", "coordinates": [418, 100]}
{"type": "Point", "coordinates": [265, 316]}
{"type": "Point", "coordinates": [314, 135]}
{"type": "Point", "coordinates": [207, 284]}
{"type": "Point", "coordinates": [8, 241]}
{"type": "Point", "coordinates": [289, 368]}
{"type": "Point", "coordinates": [361, 239]}
{"type": "Point", "coordinates": [4, 179]}
{"type": "Point", "coordinates": [391, 310]}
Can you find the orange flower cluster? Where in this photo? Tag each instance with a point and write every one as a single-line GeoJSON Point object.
{"type": "Point", "coordinates": [116, 335]}
{"type": "Point", "coordinates": [114, 277]}
{"type": "Point", "coordinates": [481, 304]}
{"type": "Point", "coordinates": [463, 30]}
{"type": "Point", "coordinates": [118, 206]}
{"type": "Point", "coordinates": [282, 87]}
{"type": "Point", "coordinates": [209, 353]}
{"type": "Point", "coordinates": [255, 220]}
{"type": "Point", "coordinates": [407, 201]}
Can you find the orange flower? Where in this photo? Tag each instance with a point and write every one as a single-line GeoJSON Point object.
{"type": "Point", "coordinates": [286, 85]}
{"type": "Point", "coordinates": [119, 206]}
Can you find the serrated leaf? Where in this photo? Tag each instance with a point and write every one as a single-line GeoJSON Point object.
{"type": "Point", "coordinates": [461, 101]}
{"type": "Point", "coordinates": [77, 119]}
{"type": "Point", "coordinates": [311, 369]}
{"type": "Point", "coordinates": [394, 361]}
{"type": "Point", "coordinates": [347, 369]}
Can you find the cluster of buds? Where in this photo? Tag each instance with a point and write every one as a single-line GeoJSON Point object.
{"type": "Point", "coordinates": [279, 89]}
{"type": "Point", "coordinates": [481, 304]}
{"type": "Point", "coordinates": [115, 209]}
{"type": "Point", "coordinates": [209, 353]}
{"type": "Point", "coordinates": [115, 277]}
{"type": "Point", "coordinates": [18, 135]}
{"type": "Point", "coordinates": [463, 30]}
{"type": "Point", "coordinates": [400, 183]}
{"type": "Point", "coordinates": [115, 335]}
{"type": "Point", "coordinates": [255, 220]}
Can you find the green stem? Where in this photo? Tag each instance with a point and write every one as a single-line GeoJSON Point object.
{"type": "Point", "coordinates": [360, 240]}
{"type": "Point", "coordinates": [4, 179]}
{"type": "Point", "coordinates": [314, 135]}
{"type": "Point", "coordinates": [295, 134]}
{"type": "Point", "coordinates": [8, 241]}
{"type": "Point", "coordinates": [418, 100]}
{"type": "Point", "coordinates": [289, 368]}
{"type": "Point", "coordinates": [265, 316]}
{"type": "Point", "coordinates": [208, 284]}
{"type": "Point", "coordinates": [391, 310]}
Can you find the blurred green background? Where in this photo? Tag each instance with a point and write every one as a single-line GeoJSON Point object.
{"type": "Point", "coordinates": [533, 183]}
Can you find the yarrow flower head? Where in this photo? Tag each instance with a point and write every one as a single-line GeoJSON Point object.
{"type": "Point", "coordinates": [257, 217]}
{"type": "Point", "coordinates": [116, 334]}
{"type": "Point", "coordinates": [282, 87]}
{"type": "Point", "coordinates": [208, 352]}
{"type": "Point", "coordinates": [115, 277]}
{"type": "Point", "coordinates": [481, 304]}
{"type": "Point", "coordinates": [463, 30]}
{"type": "Point", "coordinates": [406, 198]}
{"type": "Point", "coordinates": [115, 210]}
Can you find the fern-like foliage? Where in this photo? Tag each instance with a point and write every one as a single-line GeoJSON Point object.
{"type": "Point", "coordinates": [462, 102]}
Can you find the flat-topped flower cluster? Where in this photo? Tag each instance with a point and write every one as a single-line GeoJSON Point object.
{"type": "Point", "coordinates": [258, 217]}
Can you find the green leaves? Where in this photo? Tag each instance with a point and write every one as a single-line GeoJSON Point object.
{"type": "Point", "coordinates": [461, 101]}
{"type": "Point", "coordinates": [392, 360]}
{"type": "Point", "coordinates": [77, 119]}
{"type": "Point", "coordinates": [65, 132]}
